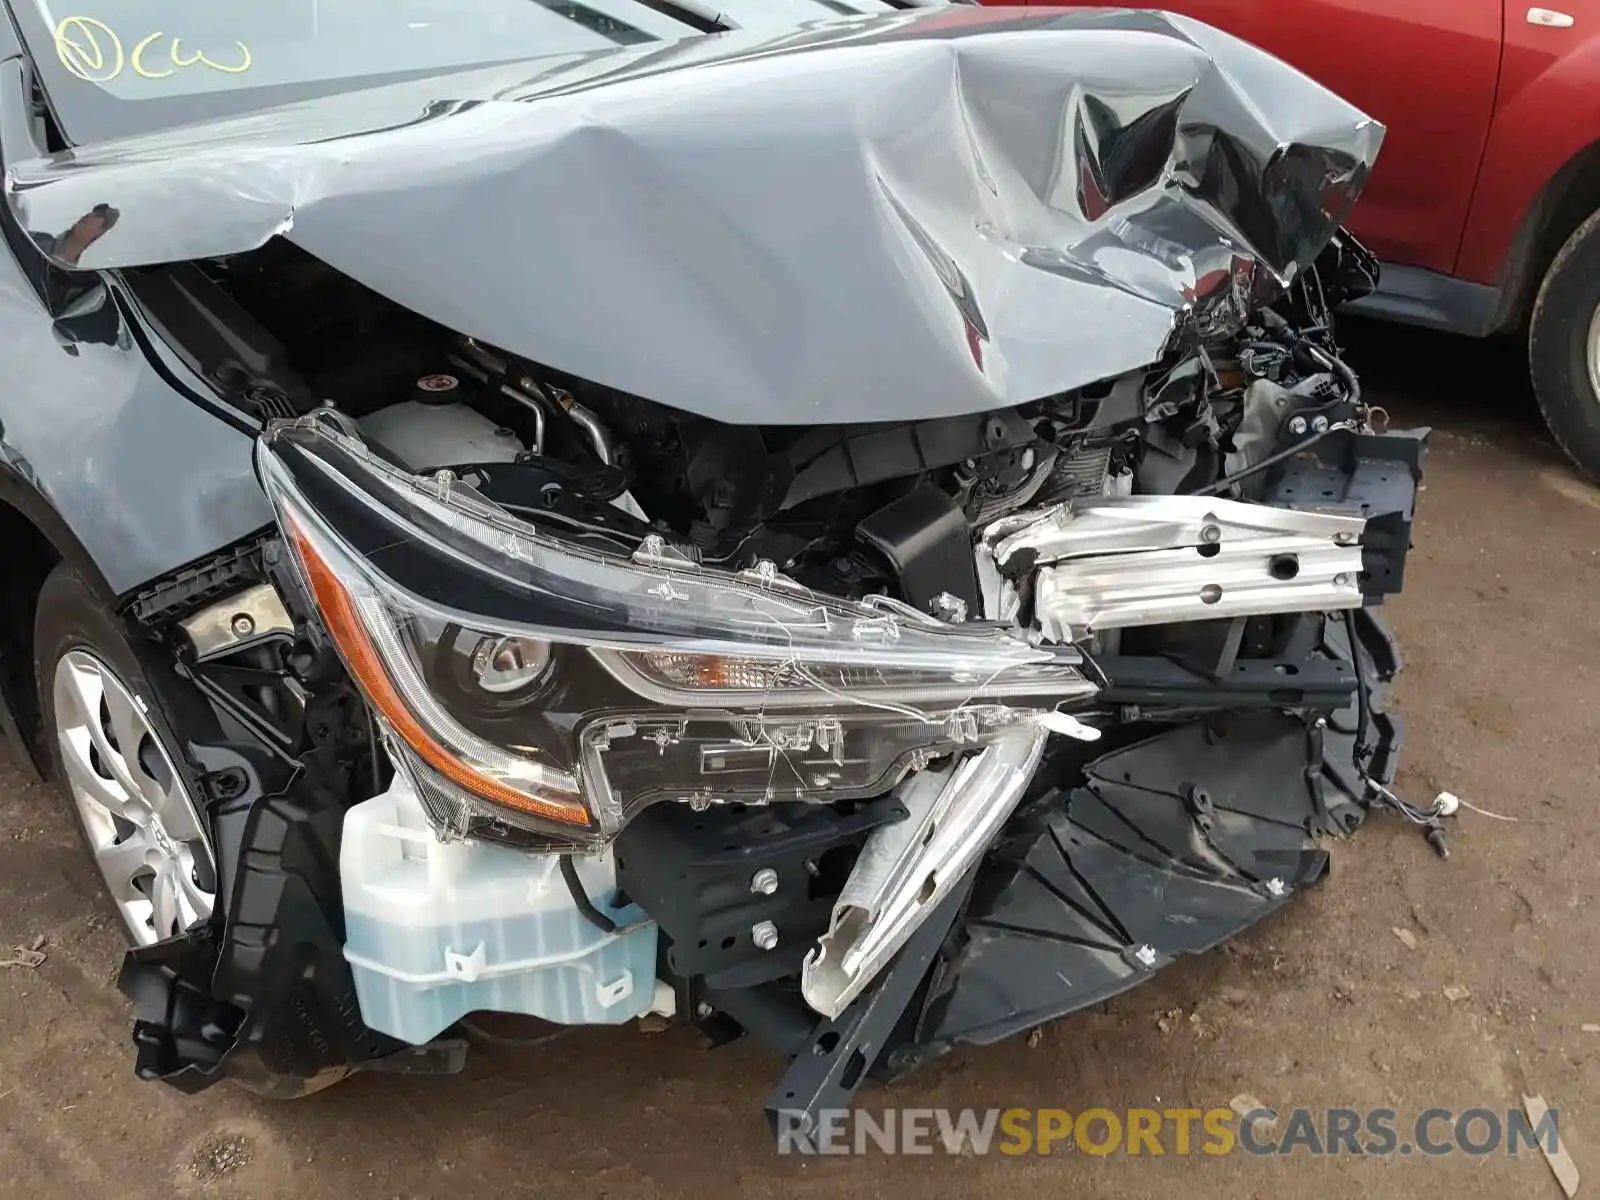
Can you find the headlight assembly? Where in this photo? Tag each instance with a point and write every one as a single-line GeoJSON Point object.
{"type": "Point", "coordinates": [544, 692]}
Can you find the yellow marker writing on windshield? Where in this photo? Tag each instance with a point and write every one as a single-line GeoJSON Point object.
{"type": "Point", "coordinates": [199, 57]}
{"type": "Point", "coordinates": [89, 49]}
{"type": "Point", "coordinates": [138, 63]}
{"type": "Point", "coordinates": [92, 51]}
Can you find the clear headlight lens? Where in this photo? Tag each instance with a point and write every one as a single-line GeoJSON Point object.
{"type": "Point", "coordinates": [544, 690]}
{"type": "Point", "coordinates": [388, 645]}
{"type": "Point", "coordinates": [630, 761]}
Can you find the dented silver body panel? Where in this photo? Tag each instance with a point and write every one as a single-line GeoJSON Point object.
{"type": "Point", "coordinates": [1021, 204]}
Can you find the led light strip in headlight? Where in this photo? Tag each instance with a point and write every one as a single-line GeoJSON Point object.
{"type": "Point", "coordinates": [604, 683]}
{"type": "Point", "coordinates": [780, 681]}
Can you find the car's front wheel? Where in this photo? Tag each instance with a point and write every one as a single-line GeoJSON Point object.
{"type": "Point", "coordinates": [135, 805]}
{"type": "Point", "coordinates": [110, 721]}
{"type": "Point", "coordinates": [1564, 347]}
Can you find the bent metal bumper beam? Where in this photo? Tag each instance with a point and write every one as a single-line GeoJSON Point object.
{"type": "Point", "coordinates": [1149, 560]}
{"type": "Point", "coordinates": [906, 869]}
{"type": "Point", "coordinates": [1102, 564]}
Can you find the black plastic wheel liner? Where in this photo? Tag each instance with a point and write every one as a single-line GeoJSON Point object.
{"type": "Point", "coordinates": [1170, 846]}
{"type": "Point", "coordinates": [283, 954]}
{"type": "Point", "coordinates": [265, 993]}
{"type": "Point", "coordinates": [1105, 883]}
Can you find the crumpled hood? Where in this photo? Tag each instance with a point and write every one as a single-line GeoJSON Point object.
{"type": "Point", "coordinates": [934, 213]}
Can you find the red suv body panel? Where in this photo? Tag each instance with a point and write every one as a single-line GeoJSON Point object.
{"type": "Point", "coordinates": [1547, 113]}
{"type": "Point", "coordinates": [1483, 109]}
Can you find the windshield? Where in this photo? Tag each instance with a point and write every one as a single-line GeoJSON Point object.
{"type": "Point", "coordinates": [118, 67]}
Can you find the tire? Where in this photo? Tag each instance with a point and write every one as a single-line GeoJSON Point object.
{"type": "Point", "coordinates": [1564, 347]}
{"type": "Point", "coordinates": [72, 622]}
{"type": "Point", "coordinates": [72, 625]}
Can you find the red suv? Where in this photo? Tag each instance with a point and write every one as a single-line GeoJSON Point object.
{"type": "Point", "coordinates": [1485, 203]}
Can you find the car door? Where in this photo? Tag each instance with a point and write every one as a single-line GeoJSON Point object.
{"type": "Point", "coordinates": [1426, 68]}
{"type": "Point", "coordinates": [1546, 122]}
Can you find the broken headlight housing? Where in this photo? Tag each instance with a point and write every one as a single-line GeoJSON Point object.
{"type": "Point", "coordinates": [542, 692]}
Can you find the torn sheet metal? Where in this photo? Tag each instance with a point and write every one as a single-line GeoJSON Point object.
{"type": "Point", "coordinates": [1143, 560]}
{"type": "Point", "coordinates": [920, 215]}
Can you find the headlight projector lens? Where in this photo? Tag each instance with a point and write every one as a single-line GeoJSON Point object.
{"type": "Point", "coordinates": [501, 665]}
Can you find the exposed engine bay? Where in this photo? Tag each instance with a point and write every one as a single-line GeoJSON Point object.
{"type": "Point", "coordinates": [1187, 555]}
{"type": "Point", "coordinates": [855, 510]}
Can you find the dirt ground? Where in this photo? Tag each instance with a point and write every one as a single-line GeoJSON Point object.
{"type": "Point", "coordinates": [1322, 1006]}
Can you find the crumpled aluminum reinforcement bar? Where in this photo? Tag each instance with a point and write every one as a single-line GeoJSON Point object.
{"type": "Point", "coordinates": [907, 868]}
{"type": "Point", "coordinates": [1112, 562]}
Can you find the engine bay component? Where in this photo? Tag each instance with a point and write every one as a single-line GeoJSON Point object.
{"type": "Point", "coordinates": [926, 539]}
{"type": "Point", "coordinates": [1148, 560]}
{"type": "Point", "coordinates": [434, 931]}
{"type": "Point", "coordinates": [435, 433]}
{"type": "Point", "coordinates": [828, 461]}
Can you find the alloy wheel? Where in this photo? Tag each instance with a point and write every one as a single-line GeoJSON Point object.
{"type": "Point", "coordinates": [143, 827]}
{"type": "Point", "coordinates": [1593, 354]}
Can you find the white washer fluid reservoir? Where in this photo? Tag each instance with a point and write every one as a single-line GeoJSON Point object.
{"type": "Point", "coordinates": [436, 930]}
